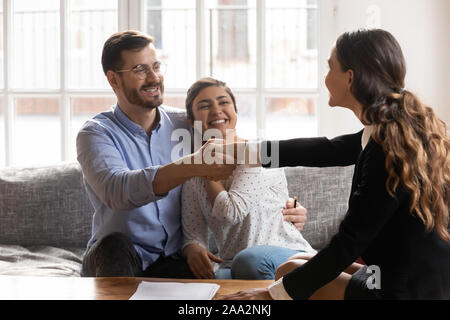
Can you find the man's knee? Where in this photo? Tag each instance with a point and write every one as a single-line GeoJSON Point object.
{"type": "Point", "coordinates": [114, 240]}
{"type": "Point", "coordinates": [113, 247]}
{"type": "Point", "coordinates": [111, 255]}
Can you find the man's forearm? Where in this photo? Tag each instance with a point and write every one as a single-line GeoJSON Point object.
{"type": "Point", "coordinates": [172, 175]}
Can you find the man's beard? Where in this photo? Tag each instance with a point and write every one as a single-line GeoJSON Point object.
{"type": "Point", "coordinates": [135, 98]}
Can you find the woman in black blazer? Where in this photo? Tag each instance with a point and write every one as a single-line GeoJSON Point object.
{"type": "Point", "coordinates": [398, 213]}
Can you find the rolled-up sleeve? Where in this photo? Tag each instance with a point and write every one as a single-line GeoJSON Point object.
{"type": "Point", "coordinates": [106, 172]}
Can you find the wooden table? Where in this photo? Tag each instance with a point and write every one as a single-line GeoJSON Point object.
{"type": "Point", "coordinates": [75, 288]}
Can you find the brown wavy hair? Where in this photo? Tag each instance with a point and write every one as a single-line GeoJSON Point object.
{"type": "Point", "coordinates": [413, 138]}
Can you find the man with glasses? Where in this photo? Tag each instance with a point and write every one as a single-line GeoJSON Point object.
{"type": "Point", "coordinates": [130, 177]}
{"type": "Point", "coordinates": [125, 156]}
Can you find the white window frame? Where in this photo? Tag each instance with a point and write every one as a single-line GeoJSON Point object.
{"type": "Point", "coordinates": [64, 93]}
{"type": "Point", "coordinates": [130, 16]}
{"type": "Point", "coordinates": [260, 92]}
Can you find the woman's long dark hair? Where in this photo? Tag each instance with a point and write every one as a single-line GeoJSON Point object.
{"type": "Point", "coordinates": [413, 138]}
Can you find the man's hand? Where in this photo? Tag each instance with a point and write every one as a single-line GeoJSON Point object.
{"type": "Point", "coordinates": [295, 215]}
{"type": "Point", "coordinates": [199, 261]}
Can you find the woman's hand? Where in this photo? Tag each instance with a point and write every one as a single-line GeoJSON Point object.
{"type": "Point", "coordinates": [295, 215]}
{"type": "Point", "coordinates": [250, 294]}
{"type": "Point", "coordinates": [199, 261]}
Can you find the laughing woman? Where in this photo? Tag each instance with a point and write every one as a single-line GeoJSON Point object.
{"type": "Point", "coordinates": [398, 213]}
{"type": "Point", "coordinates": [243, 212]}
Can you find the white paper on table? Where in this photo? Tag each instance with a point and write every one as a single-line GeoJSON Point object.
{"type": "Point", "coordinates": [175, 291]}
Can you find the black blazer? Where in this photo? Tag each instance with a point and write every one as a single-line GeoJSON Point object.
{"type": "Point", "coordinates": [377, 227]}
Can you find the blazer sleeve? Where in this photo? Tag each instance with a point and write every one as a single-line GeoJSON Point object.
{"type": "Point", "coordinates": [370, 208]}
{"type": "Point", "coordinates": [312, 152]}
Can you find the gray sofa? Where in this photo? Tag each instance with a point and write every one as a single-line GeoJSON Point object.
{"type": "Point", "coordinates": [45, 214]}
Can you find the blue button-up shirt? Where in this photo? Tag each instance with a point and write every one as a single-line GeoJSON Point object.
{"type": "Point", "coordinates": [119, 162]}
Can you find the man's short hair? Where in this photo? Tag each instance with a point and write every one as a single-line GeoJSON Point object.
{"type": "Point", "coordinates": [125, 40]}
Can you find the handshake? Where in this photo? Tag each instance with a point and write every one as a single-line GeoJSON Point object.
{"type": "Point", "coordinates": [217, 158]}
{"type": "Point", "coordinates": [218, 151]}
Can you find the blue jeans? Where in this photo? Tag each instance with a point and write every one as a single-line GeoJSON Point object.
{"type": "Point", "coordinates": [256, 263]}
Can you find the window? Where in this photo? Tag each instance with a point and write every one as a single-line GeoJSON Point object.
{"type": "Point", "coordinates": [89, 24]}
{"type": "Point", "coordinates": [290, 68]}
{"type": "Point", "coordinates": [172, 25]}
{"type": "Point", "coordinates": [51, 80]}
{"type": "Point", "coordinates": [2, 132]}
{"type": "Point", "coordinates": [2, 102]}
{"type": "Point", "coordinates": [266, 51]}
{"type": "Point", "coordinates": [232, 25]}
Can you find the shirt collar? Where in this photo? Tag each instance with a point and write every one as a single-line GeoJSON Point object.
{"type": "Point", "coordinates": [131, 125]}
{"type": "Point", "coordinates": [160, 120]}
{"type": "Point", "coordinates": [366, 135]}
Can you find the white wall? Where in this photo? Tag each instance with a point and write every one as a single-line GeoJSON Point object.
{"type": "Point", "coordinates": [422, 29]}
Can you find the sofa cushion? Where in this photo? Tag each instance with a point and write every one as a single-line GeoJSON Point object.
{"type": "Point", "coordinates": [324, 192]}
{"type": "Point", "coordinates": [44, 206]}
{"type": "Point", "coordinates": [40, 261]}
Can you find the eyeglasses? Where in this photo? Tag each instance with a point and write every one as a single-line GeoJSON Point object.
{"type": "Point", "coordinates": [143, 70]}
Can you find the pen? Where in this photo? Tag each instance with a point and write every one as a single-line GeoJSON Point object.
{"type": "Point", "coordinates": [295, 202]}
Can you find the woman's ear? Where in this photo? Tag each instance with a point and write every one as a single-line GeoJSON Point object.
{"type": "Point", "coordinates": [349, 74]}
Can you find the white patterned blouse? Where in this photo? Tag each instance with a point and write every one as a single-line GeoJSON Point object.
{"type": "Point", "coordinates": [248, 213]}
